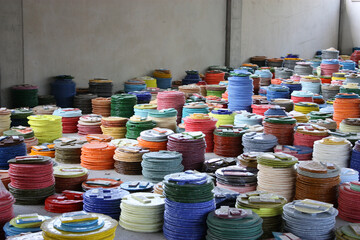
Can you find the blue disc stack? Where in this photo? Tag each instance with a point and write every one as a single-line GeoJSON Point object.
{"type": "Point", "coordinates": [192, 76]}
{"type": "Point", "coordinates": [275, 111]}
{"type": "Point", "coordinates": [263, 91]}
{"type": "Point", "coordinates": [10, 230]}
{"type": "Point", "coordinates": [292, 85]}
{"type": "Point", "coordinates": [258, 142]}
{"type": "Point", "coordinates": [348, 65]}
{"type": "Point", "coordinates": [142, 96]}
{"type": "Point", "coordinates": [240, 90]}
{"type": "Point", "coordinates": [277, 91]}
{"type": "Point", "coordinates": [355, 157]}
{"type": "Point", "coordinates": [105, 201]}
{"type": "Point", "coordinates": [11, 147]}
{"type": "Point", "coordinates": [64, 90]}
{"type": "Point", "coordinates": [133, 85]}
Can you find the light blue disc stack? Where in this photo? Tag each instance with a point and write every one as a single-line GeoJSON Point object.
{"type": "Point", "coordinates": [247, 118]}
{"type": "Point", "coordinates": [348, 175]}
{"type": "Point", "coordinates": [259, 142]}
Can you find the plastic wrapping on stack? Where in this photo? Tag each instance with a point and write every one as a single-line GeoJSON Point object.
{"type": "Point", "coordinates": [101, 87]}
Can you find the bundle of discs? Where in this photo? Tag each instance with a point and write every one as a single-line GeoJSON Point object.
{"type": "Point", "coordinates": [318, 181]}
{"type": "Point", "coordinates": [329, 90]}
{"type": "Point", "coordinates": [68, 150]}
{"type": "Point", "coordinates": [275, 111]}
{"type": "Point", "coordinates": [101, 106]}
{"type": "Point", "coordinates": [128, 160]}
{"type": "Point", "coordinates": [346, 106]}
{"type": "Point", "coordinates": [300, 117]}
{"type": "Point", "coordinates": [307, 135]}
{"type": "Point", "coordinates": [101, 87]}
{"type": "Point", "coordinates": [6, 207]}
{"type": "Point", "coordinates": [105, 201]}
{"type": "Point", "coordinates": [215, 90]}
{"type": "Point", "coordinates": [302, 153]}
{"type": "Point", "coordinates": [350, 125]}
{"type": "Point", "coordinates": [24, 95]}
{"type": "Point", "coordinates": [213, 164]}
{"type": "Point", "coordinates": [327, 123]}
{"type": "Point", "coordinates": [158, 188]}
{"type": "Point", "coordinates": [267, 205]}
{"type": "Point", "coordinates": [69, 178]}
{"type": "Point", "coordinates": [11, 147]}
{"type": "Point", "coordinates": [332, 150]}
{"type": "Point", "coordinates": [310, 83]}
{"type": "Point", "coordinates": [309, 219]}
{"type": "Point", "coordinates": [79, 225]}
{"type": "Point", "coordinates": [188, 201]}
{"type": "Point", "coordinates": [142, 212]}
{"type": "Point", "coordinates": [277, 174]}
{"type": "Point", "coordinates": [91, 183]}
{"type": "Point", "coordinates": [192, 77]}
{"type": "Point", "coordinates": [89, 124]}
{"type": "Point", "coordinates": [142, 96]}
{"type": "Point", "coordinates": [277, 91]}
{"type": "Point", "coordinates": [97, 156]}
{"type": "Point", "coordinates": [142, 110]}
{"type": "Point", "coordinates": [233, 224]}
{"type": "Point", "coordinates": [355, 157]}
{"type": "Point", "coordinates": [249, 159]}
{"type": "Point", "coordinates": [348, 232]}
{"type": "Point", "coordinates": [260, 109]}
{"type": "Point", "coordinates": [24, 224]}
{"type": "Point", "coordinates": [228, 141]}
{"type": "Point", "coordinates": [194, 107]}
{"type": "Point", "coordinates": [240, 90]}
{"type": "Point", "coordinates": [190, 89]}
{"type": "Point", "coordinates": [5, 178]}
{"type": "Point", "coordinates": [247, 118]}
{"type": "Point", "coordinates": [67, 201]}
{"type": "Point", "coordinates": [32, 179]}
{"type": "Point", "coordinates": [192, 147]}
{"type": "Point", "coordinates": [223, 116]}
{"type": "Point", "coordinates": [83, 102]}
{"type": "Point", "coordinates": [154, 139]}
{"type": "Point", "coordinates": [171, 99]}
{"type": "Point", "coordinates": [98, 138]}
{"type": "Point", "coordinates": [214, 76]}
{"type": "Point", "coordinates": [26, 132]}
{"type": "Point", "coordinates": [45, 149]}
{"type": "Point", "coordinates": [348, 175]}
{"type": "Point", "coordinates": [349, 196]}
{"type": "Point", "coordinates": [136, 125]}
{"type": "Point", "coordinates": [44, 109]}
{"type": "Point", "coordinates": [137, 186]}
{"type": "Point", "coordinates": [282, 128]}
{"type": "Point", "coordinates": [134, 84]}
{"type": "Point", "coordinates": [302, 96]}
{"type": "Point", "coordinates": [236, 178]}
{"type": "Point", "coordinates": [122, 105]}
{"type": "Point", "coordinates": [19, 117]}
{"type": "Point", "coordinates": [114, 126]}
{"type": "Point", "coordinates": [165, 118]}
{"type": "Point", "coordinates": [306, 107]}
{"type": "Point", "coordinates": [265, 76]}
{"type": "Point", "coordinates": [4, 120]}
{"type": "Point", "coordinates": [258, 142]}
{"type": "Point", "coordinates": [156, 165]}
{"type": "Point", "coordinates": [163, 78]}
{"type": "Point", "coordinates": [70, 118]}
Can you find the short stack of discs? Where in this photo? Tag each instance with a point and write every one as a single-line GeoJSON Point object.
{"type": "Point", "coordinates": [142, 96]}
{"type": "Point", "coordinates": [44, 109]}
{"type": "Point", "coordinates": [309, 219]}
{"type": "Point", "coordinates": [306, 107]}
{"type": "Point", "coordinates": [318, 181]}
{"type": "Point", "coordinates": [128, 160]}
{"type": "Point", "coordinates": [97, 156]}
{"type": "Point", "coordinates": [69, 178]}
{"type": "Point", "coordinates": [98, 138]}
{"type": "Point", "coordinates": [319, 115]}
{"type": "Point", "coordinates": [122, 105]}
{"type": "Point", "coordinates": [277, 174]}
{"type": "Point", "coordinates": [23, 224]}
{"type": "Point", "coordinates": [114, 126]}
{"type": "Point", "coordinates": [228, 141]}
{"type": "Point", "coordinates": [70, 118]}
{"type": "Point", "coordinates": [124, 142]}
{"type": "Point", "coordinates": [258, 142]}
{"type": "Point", "coordinates": [10, 147]}
{"type": "Point", "coordinates": [236, 178]}
{"type": "Point", "coordinates": [28, 134]}
{"type": "Point", "coordinates": [307, 135]}
{"type": "Point", "coordinates": [142, 212]}
{"type": "Point", "coordinates": [32, 179]}
{"type": "Point", "coordinates": [249, 159]}
{"type": "Point", "coordinates": [19, 117]}
{"type": "Point", "coordinates": [267, 205]}
{"type": "Point", "coordinates": [91, 183]}
{"type": "Point", "coordinates": [105, 201]}
{"type": "Point", "coordinates": [327, 123]}
{"type": "Point", "coordinates": [189, 199]}
{"type": "Point", "coordinates": [192, 147]}
{"type": "Point", "coordinates": [6, 207]}
{"type": "Point", "coordinates": [347, 175]}
{"type": "Point", "coordinates": [68, 150]}
{"type": "Point", "coordinates": [137, 186]}
{"type": "Point", "coordinates": [159, 188]}
{"type": "Point", "coordinates": [45, 149]}
{"type": "Point", "coordinates": [101, 106]}
{"type": "Point", "coordinates": [302, 153]}
{"type": "Point", "coordinates": [142, 110]}
{"type": "Point", "coordinates": [47, 128]}
{"type": "Point", "coordinates": [67, 201]}
{"type": "Point", "coordinates": [300, 117]}
{"type": "Point", "coordinates": [102, 87]}
{"type": "Point", "coordinates": [349, 197]}
{"type": "Point", "coordinates": [156, 165]}
{"type": "Point", "coordinates": [154, 139]}
{"type": "Point", "coordinates": [136, 125]}
{"type": "Point", "coordinates": [348, 232]}
{"type": "Point", "coordinates": [79, 225]}
{"type": "Point", "coordinates": [213, 164]}
{"type": "Point", "coordinates": [282, 128]}
{"type": "Point", "coordinates": [164, 118]}
{"type": "Point", "coordinates": [4, 120]}
{"type": "Point", "coordinates": [83, 102]}
{"type": "Point", "coordinates": [89, 124]}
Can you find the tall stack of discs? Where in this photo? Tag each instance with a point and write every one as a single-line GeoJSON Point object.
{"type": "Point", "coordinates": [69, 178]}
{"type": "Point", "coordinates": [67, 201]}
{"type": "Point", "coordinates": [44, 109]}
{"type": "Point", "coordinates": [281, 127]}
{"type": "Point", "coordinates": [192, 147]}
{"type": "Point", "coordinates": [122, 105]}
{"type": "Point", "coordinates": [89, 124]}
{"type": "Point", "coordinates": [101, 87]}
{"type": "Point", "coordinates": [32, 179]}
{"type": "Point", "coordinates": [114, 126]}
{"type": "Point", "coordinates": [165, 118]}
{"type": "Point", "coordinates": [97, 156]}
{"type": "Point", "coordinates": [236, 178]}
{"type": "Point", "coordinates": [307, 135]}
{"type": "Point", "coordinates": [163, 78]}
{"type": "Point", "coordinates": [228, 141]}
{"type": "Point", "coordinates": [267, 205]}
{"type": "Point", "coordinates": [277, 174]}
{"type": "Point", "coordinates": [101, 106]}
{"type": "Point", "coordinates": [318, 181]}
{"type": "Point", "coordinates": [156, 165]}
{"type": "Point", "coordinates": [46, 128]}
{"type": "Point", "coordinates": [258, 142]}
{"type": "Point", "coordinates": [11, 147]}
{"type": "Point", "coordinates": [4, 120]}
{"type": "Point", "coordinates": [68, 150]}
{"type": "Point", "coordinates": [70, 118]}
{"type": "Point", "coordinates": [154, 139]}
{"type": "Point", "coordinates": [19, 116]}
{"type": "Point", "coordinates": [6, 207]}
{"type": "Point", "coordinates": [349, 196]}
{"type": "Point", "coordinates": [223, 116]}
{"type": "Point", "coordinates": [188, 201]}
{"type": "Point", "coordinates": [26, 132]}
{"type": "Point", "coordinates": [83, 102]}
{"type": "Point", "coordinates": [171, 99]}
{"type": "Point", "coordinates": [142, 212]}
{"type": "Point", "coordinates": [24, 95]}
{"type": "Point", "coordinates": [128, 160]}
{"type": "Point", "coordinates": [136, 125]}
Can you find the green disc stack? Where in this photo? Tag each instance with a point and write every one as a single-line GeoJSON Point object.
{"type": "Point", "coordinates": [122, 105]}
{"type": "Point", "coordinates": [24, 95]}
{"type": "Point", "coordinates": [136, 125]}
{"type": "Point", "coordinates": [319, 115]}
{"type": "Point", "coordinates": [19, 117]}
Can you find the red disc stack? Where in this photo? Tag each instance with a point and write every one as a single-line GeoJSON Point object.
{"type": "Point", "coordinates": [281, 127]}
{"type": "Point", "coordinates": [203, 123]}
{"type": "Point", "coordinates": [346, 106]}
{"type": "Point", "coordinates": [171, 99]}
{"type": "Point", "coordinates": [307, 135]}
{"type": "Point", "coordinates": [70, 124]}
{"type": "Point", "coordinates": [214, 77]}
{"type": "Point", "coordinates": [97, 156]}
{"type": "Point", "coordinates": [67, 201]}
{"type": "Point", "coordinates": [349, 198]}
{"type": "Point", "coordinates": [6, 208]}
{"type": "Point", "coordinates": [89, 124]}
{"type": "Point", "coordinates": [355, 56]}
{"type": "Point", "coordinates": [228, 141]}
{"type": "Point", "coordinates": [261, 109]}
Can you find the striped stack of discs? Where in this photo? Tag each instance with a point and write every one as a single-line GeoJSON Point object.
{"type": "Point", "coordinates": [149, 81]}
{"type": "Point", "coordinates": [142, 96]}
{"type": "Point", "coordinates": [101, 106]}
{"type": "Point", "coordinates": [267, 205]}
{"type": "Point", "coordinates": [128, 160]}
{"type": "Point", "coordinates": [192, 147]}
{"type": "Point", "coordinates": [101, 87]}
{"type": "Point", "coordinates": [136, 125]}
{"type": "Point", "coordinates": [349, 196]}
{"type": "Point", "coordinates": [240, 90]}
{"type": "Point", "coordinates": [329, 91]}
{"type": "Point", "coordinates": [350, 88]}
{"type": "Point", "coordinates": [277, 174]}
{"type": "Point", "coordinates": [300, 117]}
{"type": "Point", "coordinates": [302, 153]}
{"type": "Point", "coordinates": [248, 160]}
{"type": "Point", "coordinates": [4, 178]}
{"type": "Point", "coordinates": [22, 224]}
{"type": "Point", "coordinates": [114, 126]}
{"type": "Point", "coordinates": [92, 183]}
{"type": "Point", "coordinates": [192, 77]}
{"type": "Point", "coordinates": [306, 107]}
{"type": "Point", "coordinates": [89, 124]}
{"type": "Point", "coordinates": [44, 109]}
{"type": "Point", "coordinates": [4, 120]}
{"type": "Point", "coordinates": [67, 201]}
{"type": "Point", "coordinates": [83, 102]}
{"type": "Point", "coordinates": [247, 118]}
{"type": "Point", "coordinates": [214, 76]}
{"type": "Point", "coordinates": [156, 165]}
{"type": "Point", "coordinates": [236, 178]}
{"type": "Point", "coordinates": [346, 106]}
{"type": "Point", "coordinates": [282, 128]}
{"type": "Point", "coordinates": [26, 132]}
{"type": "Point", "coordinates": [275, 111]}
{"type": "Point", "coordinates": [97, 156]}
{"type": "Point", "coordinates": [69, 178]}
{"type": "Point", "coordinates": [188, 201]}
{"type": "Point", "coordinates": [195, 107]}
{"type": "Point", "coordinates": [171, 99]}
{"type": "Point", "coordinates": [19, 117]}
{"type": "Point", "coordinates": [70, 118]}
{"type": "Point", "coordinates": [302, 96]}
{"type": "Point", "coordinates": [6, 207]}
{"type": "Point", "coordinates": [228, 141]}
{"type": "Point", "coordinates": [134, 85]}
{"type": "Point", "coordinates": [311, 84]}
{"type": "Point", "coordinates": [350, 125]}
{"type": "Point", "coordinates": [258, 142]}
{"type": "Point", "coordinates": [223, 116]}
{"type": "Point", "coordinates": [307, 135]}
{"type": "Point", "coordinates": [329, 66]}
{"type": "Point", "coordinates": [154, 139]}
{"type": "Point", "coordinates": [163, 78]}
{"type": "Point", "coordinates": [283, 73]}
{"type": "Point", "coordinates": [318, 181]}
{"type": "Point", "coordinates": [142, 212]}
{"type": "Point", "coordinates": [68, 150]}
{"type": "Point", "coordinates": [11, 147]}
{"type": "Point", "coordinates": [348, 232]}
{"type": "Point", "coordinates": [122, 105]}
{"type": "Point", "coordinates": [32, 179]}
{"type": "Point", "coordinates": [327, 123]}
{"type": "Point", "coordinates": [165, 118]}
{"type": "Point", "coordinates": [319, 115]}
{"type": "Point", "coordinates": [45, 149]}
{"type": "Point", "coordinates": [288, 104]}
{"type": "Point", "coordinates": [190, 90]}
{"type": "Point", "coordinates": [24, 95]}
{"type": "Point", "coordinates": [142, 110]}
{"type": "Point", "coordinates": [276, 91]}
{"type": "Point", "coordinates": [260, 109]}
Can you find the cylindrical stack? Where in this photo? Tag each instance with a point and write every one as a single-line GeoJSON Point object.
{"type": "Point", "coordinates": [228, 141]}
{"type": "Point", "coordinates": [69, 178]}
{"type": "Point", "coordinates": [64, 90]}
{"type": "Point", "coordinates": [302, 96]}
{"type": "Point", "coordinates": [192, 77]}
{"type": "Point", "coordinates": [128, 160]}
{"type": "Point", "coordinates": [194, 107]}
{"type": "Point", "coordinates": [24, 95]}
{"type": "Point", "coordinates": [302, 153]}
{"type": "Point", "coordinates": [275, 111]}
{"type": "Point", "coordinates": [288, 104]}
{"type": "Point", "coordinates": [45, 149]}
{"type": "Point", "coordinates": [307, 135]}
{"type": "Point", "coordinates": [235, 178]}
{"type": "Point", "coordinates": [282, 128]}
{"type": "Point", "coordinates": [114, 126]}
{"type": "Point", "coordinates": [258, 60]}
{"type": "Point", "coordinates": [292, 85]}
{"type": "Point", "coordinates": [350, 88]}
{"type": "Point", "coordinates": [330, 53]}
{"type": "Point", "coordinates": [142, 96]}
{"type": "Point", "coordinates": [67, 201]}
{"type": "Point", "coordinates": [311, 84]}
{"type": "Point", "coordinates": [134, 85]}
{"type": "Point", "coordinates": [47, 128]}
{"type": "Point", "coordinates": [136, 125]}
{"type": "Point", "coordinates": [19, 117]}
{"type": "Point", "coordinates": [171, 99]}
{"type": "Point", "coordinates": [68, 150]}
{"type": "Point", "coordinates": [319, 115]}
{"type": "Point", "coordinates": [5, 121]}
{"type": "Point", "coordinates": [223, 116]}
{"type": "Point", "coordinates": [44, 109]}
{"type": "Point", "coordinates": [258, 142]}
{"type": "Point", "coordinates": [248, 160]}
{"type": "Point", "coordinates": [261, 109]}
{"type": "Point", "coordinates": [283, 73]}
{"type": "Point", "coordinates": [303, 68]}
{"type": "Point", "coordinates": [329, 66]}
{"type": "Point", "coordinates": [69, 119]}
{"type": "Point", "coordinates": [353, 78]}
{"type": "Point", "coordinates": [101, 87]}
{"type": "Point", "coordinates": [350, 125]}
{"type": "Point", "coordinates": [97, 156]}
{"type": "Point", "coordinates": [355, 157]}
{"type": "Point", "coordinates": [214, 76]}
{"type": "Point", "coordinates": [247, 118]}
{"type": "Point", "coordinates": [215, 90]}
{"type": "Point", "coordinates": [101, 106]}
{"type": "Point", "coordinates": [11, 147]}
{"type": "Point", "coordinates": [274, 62]}
{"type": "Point", "coordinates": [142, 110]}
{"type": "Point", "coordinates": [290, 62]}
{"type": "Point", "coordinates": [346, 106]}
{"type": "Point", "coordinates": [349, 197]}
{"type": "Point", "coordinates": [265, 77]}
{"type": "Point", "coordinates": [26, 132]}
{"type": "Point", "coordinates": [276, 91]}
{"type": "Point", "coordinates": [154, 139]}
{"type": "Point", "coordinates": [165, 118]}
{"type": "Point", "coordinates": [306, 107]}
{"type": "Point", "coordinates": [122, 105]}
{"type": "Point", "coordinates": [300, 117]}
{"type": "Point", "coordinates": [163, 78]}
{"type": "Point", "coordinates": [89, 124]}
{"type": "Point", "coordinates": [6, 208]}
{"type": "Point", "coordinates": [149, 81]}
{"type": "Point", "coordinates": [240, 90]}
{"type": "Point", "coordinates": [83, 102]}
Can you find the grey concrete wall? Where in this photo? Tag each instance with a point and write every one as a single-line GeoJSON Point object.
{"type": "Point", "coordinates": [120, 39]}
{"type": "Point", "coordinates": [350, 32]}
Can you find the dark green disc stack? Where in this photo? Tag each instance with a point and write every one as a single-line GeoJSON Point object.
{"type": "Point", "coordinates": [19, 117]}
{"type": "Point", "coordinates": [122, 105]}
{"type": "Point", "coordinates": [24, 95]}
{"type": "Point", "coordinates": [136, 125]}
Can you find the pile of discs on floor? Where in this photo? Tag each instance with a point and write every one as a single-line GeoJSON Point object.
{"type": "Point", "coordinates": [26, 132]}
{"type": "Point", "coordinates": [349, 195]}
{"type": "Point", "coordinates": [24, 224]}
{"type": "Point", "coordinates": [89, 124]}
{"type": "Point", "coordinates": [97, 156]}
{"type": "Point", "coordinates": [154, 139]}
{"type": "Point", "coordinates": [83, 102]}
{"type": "Point", "coordinates": [11, 147]}
{"type": "Point", "coordinates": [68, 150]}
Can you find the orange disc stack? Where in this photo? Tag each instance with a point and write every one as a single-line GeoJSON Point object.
{"type": "Point", "coordinates": [214, 77]}
{"type": "Point", "coordinates": [45, 149]}
{"type": "Point", "coordinates": [101, 106]}
{"type": "Point", "coordinates": [346, 105]}
{"type": "Point", "coordinates": [276, 81]}
{"type": "Point", "coordinates": [97, 156]}
{"type": "Point", "coordinates": [154, 139]}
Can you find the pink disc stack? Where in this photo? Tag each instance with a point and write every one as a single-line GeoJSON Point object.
{"type": "Point", "coordinates": [89, 124]}
{"type": "Point", "coordinates": [6, 208]}
{"type": "Point", "coordinates": [171, 99]}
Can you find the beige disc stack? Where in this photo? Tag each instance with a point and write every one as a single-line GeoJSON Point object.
{"type": "Point", "coordinates": [44, 109]}
{"type": "Point", "coordinates": [114, 126]}
{"type": "Point", "coordinates": [128, 160]}
{"type": "Point", "coordinates": [4, 120]}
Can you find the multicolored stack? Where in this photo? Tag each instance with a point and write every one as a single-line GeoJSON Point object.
{"type": "Point", "coordinates": [89, 124]}
{"type": "Point", "coordinates": [26, 132]}
{"type": "Point", "coordinates": [114, 126]}
{"type": "Point", "coordinates": [24, 224]}
{"type": "Point", "coordinates": [171, 99]}
{"type": "Point", "coordinates": [236, 178]}
{"type": "Point", "coordinates": [128, 160]}
{"type": "Point", "coordinates": [154, 139]}
{"type": "Point", "coordinates": [70, 118]}
{"type": "Point", "coordinates": [11, 147]}
{"type": "Point", "coordinates": [69, 178]}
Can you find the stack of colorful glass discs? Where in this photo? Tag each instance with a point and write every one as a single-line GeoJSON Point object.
{"type": "Point", "coordinates": [24, 223]}
{"type": "Point", "coordinates": [233, 224]}
{"type": "Point", "coordinates": [67, 201]}
{"type": "Point", "coordinates": [4, 120]}
{"type": "Point", "coordinates": [349, 196]}
{"type": "Point", "coordinates": [171, 99]}
{"type": "Point", "coordinates": [69, 178]}
{"type": "Point", "coordinates": [154, 139]}
{"type": "Point", "coordinates": [282, 128]}
{"type": "Point", "coordinates": [114, 126]}
{"type": "Point", "coordinates": [309, 219]}
{"type": "Point", "coordinates": [142, 110]}
{"type": "Point", "coordinates": [249, 159]}
{"type": "Point", "coordinates": [317, 181]}
{"type": "Point", "coordinates": [122, 105]}
{"type": "Point", "coordinates": [79, 225]}
{"type": "Point", "coordinates": [267, 205]}
{"type": "Point", "coordinates": [45, 149]}
{"type": "Point", "coordinates": [164, 118]}
{"type": "Point", "coordinates": [302, 153]}
{"type": "Point", "coordinates": [128, 160]}
{"type": "Point", "coordinates": [137, 186]}
{"type": "Point", "coordinates": [156, 165]}
{"type": "Point", "coordinates": [70, 118]}
{"type": "Point", "coordinates": [189, 199]}
{"type": "Point", "coordinates": [213, 164]}
{"type": "Point", "coordinates": [105, 201]}
{"type": "Point", "coordinates": [32, 179]}
{"type": "Point", "coordinates": [28, 134]}
{"type": "Point", "coordinates": [307, 135]}
{"type": "Point", "coordinates": [83, 102]}
{"type": "Point", "coordinates": [142, 212]}
{"type": "Point", "coordinates": [19, 117]}
{"type": "Point", "coordinates": [98, 138]}
{"type": "Point", "coordinates": [348, 232]}
{"type": "Point", "coordinates": [258, 142]}
{"type": "Point", "coordinates": [97, 156]}
{"type": "Point", "coordinates": [277, 174]}
{"type": "Point", "coordinates": [68, 150]}
{"type": "Point", "coordinates": [47, 128]}
{"type": "Point", "coordinates": [10, 147]}
{"type": "Point", "coordinates": [89, 124]}
{"type": "Point", "coordinates": [6, 207]}
{"type": "Point", "coordinates": [136, 125]}
{"type": "Point", "coordinates": [236, 178]}
{"type": "Point", "coordinates": [92, 183]}
{"type": "Point", "coordinates": [192, 147]}
{"type": "Point", "coordinates": [101, 106]}
{"type": "Point", "coordinates": [44, 109]}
